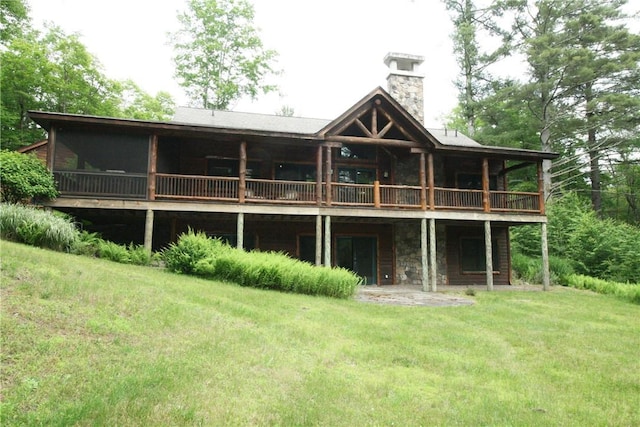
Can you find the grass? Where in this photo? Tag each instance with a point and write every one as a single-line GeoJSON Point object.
{"type": "Point", "coordinates": [90, 342]}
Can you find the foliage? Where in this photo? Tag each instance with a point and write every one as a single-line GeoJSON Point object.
{"type": "Point", "coordinates": [87, 244]}
{"type": "Point", "coordinates": [14, 14]}
{"type": "Point", "coordinates": [24, 177]}
{"type": "Point", "coordinates": [529, 268]}
{"type": "Point", "coordinates": [90, 342]}
{"type": "Point", "coordinates": [218, 54]}
{"type": "Point", "coordinates": [124, 254]}
{"type": "Point", "coordinates": [626, 291]}
{"type": "Point", "coordinates": [53, 71]}
{"type": "Point", "coordinates": [196, 253]}
{"type": "Point", "coordinates": [602, 248]}
{"type": "Point", "coordinates": [36, 227]}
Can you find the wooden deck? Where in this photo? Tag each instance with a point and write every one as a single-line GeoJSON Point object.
{"type": "Point", "coordinates": [215, 189]}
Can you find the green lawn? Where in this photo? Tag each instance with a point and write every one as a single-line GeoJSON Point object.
{"type": "Point", "coordinates": [90, 342]}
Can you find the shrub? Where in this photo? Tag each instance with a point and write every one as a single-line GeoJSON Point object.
{"type": "Point", "coordinates": [87, 244]}
{"type": "Point", "coordinates": [36, 227]}
{"type": "Point", "coordinates": [23, 177]}
{"type": "Point", "coordinates": [529, 268]}
{"type": "Point", "coordinates": [113, 252]}
{"type": "Point", "coordinates": [630, 292]}
{"type": "Point", "coordinates": [190, 251]}
{"type": "Point", "coordinates": [198, 254]}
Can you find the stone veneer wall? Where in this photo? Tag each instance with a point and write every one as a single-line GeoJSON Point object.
{"type": "Point", "coordinates": [409, 253]}
{"type": "Point", "coordinates": [408, 91]}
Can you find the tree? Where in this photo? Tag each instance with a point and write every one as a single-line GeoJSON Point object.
{"type": "Point", "coordinates": [14, 15]}
{"type": "Point", "coordinates": [137, 104]}
{"type": "Point", "coordinates": [603, 83]}
{"type": "Point", "coordinates": [23, 177]}
{"type": "Point", "coordinates": [219, 56]}
{"type": "Point", "coordinates": [471, 22]}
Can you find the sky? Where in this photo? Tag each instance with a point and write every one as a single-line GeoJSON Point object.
{"type": "Point", "coordinates": [331, 51]}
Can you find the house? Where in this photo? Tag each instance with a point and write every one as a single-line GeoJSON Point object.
{"type": "Point", "coordinates": [372, 190]}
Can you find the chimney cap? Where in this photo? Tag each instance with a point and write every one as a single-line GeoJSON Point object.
{"type": "Point", "coordinates": [404, 61]}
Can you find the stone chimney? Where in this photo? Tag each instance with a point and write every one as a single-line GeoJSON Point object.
{"type": "Point", "coordinates": [405, 82]}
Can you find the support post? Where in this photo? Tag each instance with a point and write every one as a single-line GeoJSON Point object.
{"type": "Point", "coordinates": [319, 175]}
{"type": "Point", "coordinates": [486, 204]}
{"type": "Point", "coordinates": [240, 231]}
{"type": "Point", "coordinates": [423, 182]}
{"type": "Point", "coordinates": [433, 269]}
{"type": "Point", "coordinates": [431, 182]}
{"type": "Point", "coordinates": [51, 145]}
{"type": "Point", "coordinates": [541, 199]}
{"type": "Point", "coordinates": [425, 254]}
{"type": "Point", "coordinates": [376, 193]}
{"type": "Point", "coordinates": [488, 254]}
{"type": "Point", "coordinates": [545, 258]}
{"type": "Point", "coordinates": [327, 241]}
{"type": "Point", "coordinates": [242, 182]}
{"type": "Point", "coordinates": [328, 178]}
{"type": "Point", "coordinates": [148, 231]}
{"type": "Point", "coordinates": [153, 161]}
{"type": "Point", "coordinates": [318, 239]}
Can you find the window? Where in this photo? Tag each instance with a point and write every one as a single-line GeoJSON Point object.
{"type": "Point", "coordinates": [358, 152]}
{"type": "Point", "coordinates": [356, 175]}
{"type": "Point", "coordinates": [296, 172]}
{"type": "Point", "coordinates": [472, 255]}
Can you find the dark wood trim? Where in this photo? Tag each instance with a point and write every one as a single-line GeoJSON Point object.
{"type": "Point", "coordinates": [423, 182]}
{"type": "Point", "coordinates": [374, 141]}
{"type": "Point", "coordinates": [431, 182]}
{"type": "Point", "coordinates": [319, 175]}
{"type": "Point", "coordinates": [328, 178]}
{"type": "Point", "coordinates": [486, 204]}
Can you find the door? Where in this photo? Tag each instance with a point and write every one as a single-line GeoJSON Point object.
{"type": "Point", "coordinates": [358, 254]}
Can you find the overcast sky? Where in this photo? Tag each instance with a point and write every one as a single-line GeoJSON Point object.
{"type": "Point", "coordinates": [331, 51]}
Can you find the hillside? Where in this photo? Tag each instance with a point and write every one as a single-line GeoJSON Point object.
{"type": "Point", "coordinates": [90, 342]}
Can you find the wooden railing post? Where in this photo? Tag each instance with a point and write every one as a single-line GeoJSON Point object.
{"type": "Point", "coordinates": [242, 183]}
{"type": "Point", "coordinates": [423, 182]}
{"type": "Point", "coordinates": [431, 182]}
{"type": "Point", "coordinates": [319, 175]}
{"type": "Point", "coordinates": [376, 194]}
{"type": "Point", "coordinates": [541, 189]}
{"type": "Point", "coordinates": [153, 161]}
{"type": "Point", "coordinates": [51, 144]}
{"type": "Point", "coordinates": [328, 178]}
{"type": "Point", "coordinates": [486, 205]}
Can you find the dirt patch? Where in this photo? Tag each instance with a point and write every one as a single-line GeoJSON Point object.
{"type": "Point", "coordinates": [447, 296]}
{"type": "Point", "coordinates": [409, 296]}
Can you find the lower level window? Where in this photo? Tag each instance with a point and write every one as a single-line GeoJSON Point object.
{"type": "Point", "coordinates": [472, 255]}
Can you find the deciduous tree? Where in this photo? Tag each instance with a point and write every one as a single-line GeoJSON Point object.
{"type": "Point", "coordinates": [219, 56]}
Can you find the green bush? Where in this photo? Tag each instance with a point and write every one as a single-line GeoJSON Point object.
{"type": "Point", "coordinates": [37, 227]}
{"type": "Point", "coordinates": [23, 177]}
{"type": "Point", "coordinates": [198, 254]}
{"type": "Point", "coordinates": [630, 292]}
{"type": "Point", "coordinates": [87, 244]}
{"type": "Point", "coordinates": [192, 249]}
{"type": "Point", "coordinates": [529, 268]}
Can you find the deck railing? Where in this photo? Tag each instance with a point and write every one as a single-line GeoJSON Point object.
{"type": "Point", "coordinates": [210, 188]}
{"type": "Point", "coordinates": [196, 187]}
{"type": "Point", "coordinates": [104, 184]}
{"type": "Point", "coordinates": [261, 190]}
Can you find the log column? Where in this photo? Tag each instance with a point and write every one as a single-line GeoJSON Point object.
{"type": "Point", "coordinates": [242, 183]}
{"type": "Point", "coordinates": [240, 231]}
{"type": "Point", "coordinates": [545, 257]}
{"type": "Point", "coordinates": [148, 231]}
{"type": "Point", "coordinates": [423, 182]}
{"type": "Point", "coordinates": [153, 161]}
{"type": "Point", "coordinates": [433, 269]}
{"type": "Point", "coordinates": [327, 241]}
{"type": "Point", "coordinates": [425, 254]}
{"type": "Point", "coordinates": [431, 183]}
{"type": "Point", "coordinates": [488, 254]}
{"type": "Point", "coordinates": [329, 173]}
{"type": "Point", "coordinates": [541, 201]}
{"type": "Point", "coordinates": [318, 239]}
{"type": "Point", "coordinates": [486, 205]}
{"type": "Point", "coordinates": [319, 176]}
{"type": "Point", "coordinates": [51, 144]}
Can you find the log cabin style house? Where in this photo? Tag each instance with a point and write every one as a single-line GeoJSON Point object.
{"type": "Point", "coordinates": [372, 190]}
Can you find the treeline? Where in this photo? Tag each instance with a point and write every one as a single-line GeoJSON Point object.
{"type": "Point", "coordinates": [560, 76]}
{"type": "Point", "coordinates": [46, 69]}
{"type": "Point", "coordinates": [579, 243]}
